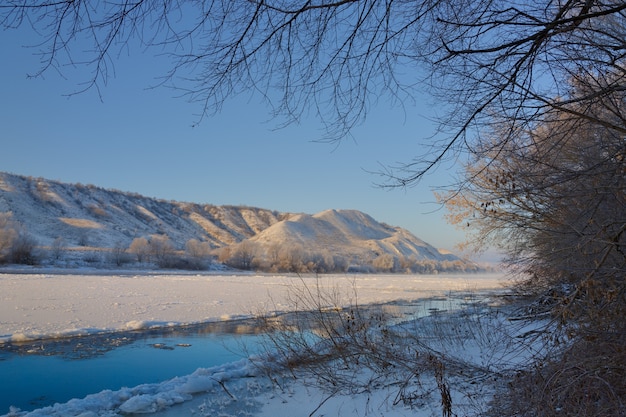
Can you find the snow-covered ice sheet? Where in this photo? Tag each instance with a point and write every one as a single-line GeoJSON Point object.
{"type": "Point", "coordinates": [53, 305]}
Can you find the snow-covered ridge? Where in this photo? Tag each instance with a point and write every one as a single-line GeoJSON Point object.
{"type": "Point", "coordinates": [87, 215]}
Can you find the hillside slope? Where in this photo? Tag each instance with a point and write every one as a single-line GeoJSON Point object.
{"type": "Point", "coordinates": [85, 215]}
{"type": "Point", "coordinates": [89, 216]}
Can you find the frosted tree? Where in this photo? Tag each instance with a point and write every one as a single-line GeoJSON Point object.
{"type": "Point", "coordinates": [140, 247]}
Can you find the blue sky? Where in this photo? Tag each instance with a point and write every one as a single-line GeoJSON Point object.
{"type": "Point", "coordinates": [138, 139]}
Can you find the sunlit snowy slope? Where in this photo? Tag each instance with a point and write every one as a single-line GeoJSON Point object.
{"type": "Point", "coordinates": [90, 216]}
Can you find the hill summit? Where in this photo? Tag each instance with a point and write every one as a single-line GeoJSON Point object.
{"type": "Point", "coordinates": [95, 219]}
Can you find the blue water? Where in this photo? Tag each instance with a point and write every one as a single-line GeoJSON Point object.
{"type": "Point", "coordinates": [31, 381]}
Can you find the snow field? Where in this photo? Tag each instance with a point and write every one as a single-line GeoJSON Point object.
{"type": "Point", "coordinates": [45, 305]}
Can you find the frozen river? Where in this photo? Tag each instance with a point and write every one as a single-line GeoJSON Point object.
{"type": "Point", "coordinates": [66, 336]}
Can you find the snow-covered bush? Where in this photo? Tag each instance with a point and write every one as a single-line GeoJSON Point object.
{"type": "Point", "coordinates": [140, 248]}
{"type": "Point", "coordinates": [16, 245]}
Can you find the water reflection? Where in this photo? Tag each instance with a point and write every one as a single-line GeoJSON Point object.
{"type": "Point", "coordinates": [97, 344]}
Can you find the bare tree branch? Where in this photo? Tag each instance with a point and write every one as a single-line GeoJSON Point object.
{"type": "Point", "coordinates": [487, 60]}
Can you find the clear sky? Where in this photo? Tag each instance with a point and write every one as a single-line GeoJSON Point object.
{"type": "Point", "coordinates": [138, 139]}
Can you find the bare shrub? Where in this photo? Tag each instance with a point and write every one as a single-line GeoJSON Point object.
{"type": "Point", "coordinates": [161, 247]}
{"type": "Point", "coordinates": [240, 256]}
{"type": "Point", "coordinates": [118, 255]}
{"type": "Point", "coordinates": [23, 249]}
{"type": "Point", "coordinates": [59, 245]}
{"type": "Point", "coordinates": [586, 379]}
{"type": "Point", "coordinates": [197, 250]}
{"type": "Point", "coordinates": [384, 263]}
{"type": "Point", "coordinates": [319, 333]}
{"type": "Point", "coordinates": [8, 234]}
{"type": "Point", "coordinates": [346, 348]}
{"type": "Point", "coordinates": [288, 258]}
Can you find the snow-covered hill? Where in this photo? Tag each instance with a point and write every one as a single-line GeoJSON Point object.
{"type": "Point", "coordinates": [86, 215]}
{"type": "Point", "coordinates": [90, 216]}
{"type": "Point", "coordinates": [349, 233]}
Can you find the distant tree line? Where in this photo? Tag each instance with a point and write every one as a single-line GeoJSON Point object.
{"type": "Point", "coordinates": [278, 257]}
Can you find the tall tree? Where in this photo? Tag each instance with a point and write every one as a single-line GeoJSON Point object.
{"type": "Point", "coordinates": [553, 197]}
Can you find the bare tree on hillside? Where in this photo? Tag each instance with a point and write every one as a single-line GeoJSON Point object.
{"type": "Point", "coordinates": [8, 234]}
{"type": "Point", "coordinates": [16, 245]}
{"type": "Point", "coordinates": [118, 254]}
{"type": "Point", "coordinates": [384, 263]}
{"type": "Point", "coordinates": [240, 256]}
{"type": "Point", "coordinates": [197, 250]}
{"type": "Point", "coordinates": [161, 247]}
{"type": "Point", "coordinates": [6, 224]}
